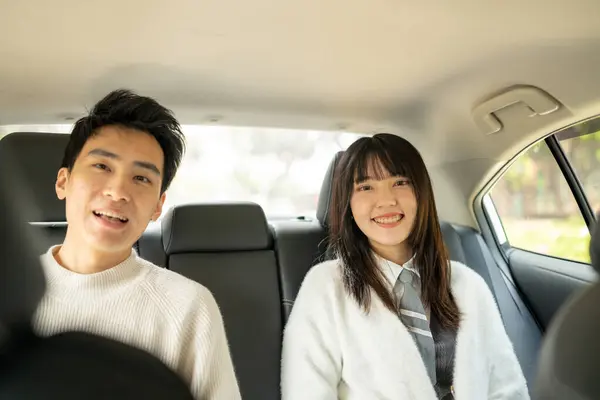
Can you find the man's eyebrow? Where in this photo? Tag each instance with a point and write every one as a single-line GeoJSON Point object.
{"type": "Point", "coordinates": [142, 164]}
{"type": "Point", "coordinates": [103, 153]}
{"type": "Point", "coordinates": [149, 166]}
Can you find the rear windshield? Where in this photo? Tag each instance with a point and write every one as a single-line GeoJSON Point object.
{"type": "Point", "coordinates": [280, 169]}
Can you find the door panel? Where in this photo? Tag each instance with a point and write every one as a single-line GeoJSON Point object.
{"type": "Point", "coordinates": [547, 282]}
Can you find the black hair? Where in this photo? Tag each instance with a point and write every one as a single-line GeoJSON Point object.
{"type": "Point", "coordinates": [125, 108]}
{"type": "Point", "coordinates": [389, 155]}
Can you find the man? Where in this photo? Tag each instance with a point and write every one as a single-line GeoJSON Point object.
{"type": "Point", "coordinates": [119, 162]}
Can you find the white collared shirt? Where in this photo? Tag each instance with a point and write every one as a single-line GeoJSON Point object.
{"type": "Point", "coordinates": [392, 271]}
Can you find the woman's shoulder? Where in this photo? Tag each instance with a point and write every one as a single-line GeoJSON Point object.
{"type": "Point", "coordinates": [465, 278]}
{"type": "Point", "coordinates": [324, 275]}
{"type": "Point", "coordinates": [323, 282]}
{"type": "Point", "coordinates": [471, 289]}
{"type": "Point", "coordinates": [320, 289]}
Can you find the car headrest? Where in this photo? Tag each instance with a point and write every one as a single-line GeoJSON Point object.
{"type": "Point", "coordinates": [38, 157]}
{"type": "Point", "coordinates": [22, 281]}
{"type": "Point", "coordinates": [570, 354]}
{"type": "Point", "coordinates": [326, 191]}
{"type": "Point", "coordinates": [215, 227]}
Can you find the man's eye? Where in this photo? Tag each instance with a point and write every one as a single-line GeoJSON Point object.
{"type": "Point", "coordinates": [100, 166]}
{"type": "Point", "coordinates": [142, 179]}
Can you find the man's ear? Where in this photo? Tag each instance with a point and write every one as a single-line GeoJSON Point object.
{"type": "Point", "coordinates": [159, 207]}
{"type": "Point", "coordinates": [61, 183]}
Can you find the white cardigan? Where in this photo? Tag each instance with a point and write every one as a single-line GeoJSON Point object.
{"type": "Point", "coordinates": [332, 349]}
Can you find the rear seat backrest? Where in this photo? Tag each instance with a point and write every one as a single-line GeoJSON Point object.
{"type": "Point", "coordinates": [38, 157]}
{"type": "Point", "coordinates": [228, 248]}
{"type": "Point", "coordinates": [299, 245]}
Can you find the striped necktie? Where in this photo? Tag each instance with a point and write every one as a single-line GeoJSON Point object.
{"type": "Point", "coordinates": [412, 314]}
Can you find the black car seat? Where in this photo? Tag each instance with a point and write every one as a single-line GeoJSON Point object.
{"type": "Point", "coordinates": [570, 355]}
{"type": "Point", "coordinates": [70, 365]}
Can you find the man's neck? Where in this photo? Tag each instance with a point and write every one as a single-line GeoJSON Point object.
{"type": "Point", "coordinates": [85, 261]}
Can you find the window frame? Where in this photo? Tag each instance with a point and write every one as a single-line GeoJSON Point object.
{"type": "Point", "coordinates": [572, 180]}
{"type": "Point", "coordinates": [487, 216]}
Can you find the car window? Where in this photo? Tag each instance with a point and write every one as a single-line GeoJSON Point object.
{"type": "Point", "coordinates": [581, 145]}
{"type": "Point", "coordinates": [280, 169]}
{"type": "Point", "coordinates": [537, 208]}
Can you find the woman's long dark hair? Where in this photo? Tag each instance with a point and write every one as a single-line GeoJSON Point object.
{"type": "Point", "coordinates": [389, 155]}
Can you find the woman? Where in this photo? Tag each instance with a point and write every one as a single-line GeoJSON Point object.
{"type": "Point", "coordinates": [392, 317]}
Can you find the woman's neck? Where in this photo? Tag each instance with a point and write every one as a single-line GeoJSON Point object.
{"type": "Point", "coordinates": [399, 254]}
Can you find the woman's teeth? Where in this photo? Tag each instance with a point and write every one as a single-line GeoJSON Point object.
{"type": "Point", "coordinates": [388, 220]}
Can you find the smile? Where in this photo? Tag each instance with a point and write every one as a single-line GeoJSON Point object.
{"type": "Point", "coordinates": [388, 219]}
{"type": "Point", "coordinates": [111, 216]}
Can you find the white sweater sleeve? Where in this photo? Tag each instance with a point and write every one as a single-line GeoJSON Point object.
{"type": "Point", "coordinates": [311, 356]}
{"type": "Point", "coordinates": [213, 376]}
{"type": "Point", "coordinates": [506, 381]}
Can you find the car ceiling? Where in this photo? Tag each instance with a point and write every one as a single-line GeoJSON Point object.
{"type": "Point", "coordinates": [412, 68]}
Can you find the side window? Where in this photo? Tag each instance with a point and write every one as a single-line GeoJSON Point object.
{"type": "Point", "coordinates": [581, 145]}
{"type": "Point", "coordinates": [537, 208]}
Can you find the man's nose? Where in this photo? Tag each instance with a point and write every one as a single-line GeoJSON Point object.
{"type": "Point", "coordinates": [117, 189]}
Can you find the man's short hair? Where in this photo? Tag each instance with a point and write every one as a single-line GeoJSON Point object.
{"type": "Point", "coordinates": [125, 108]}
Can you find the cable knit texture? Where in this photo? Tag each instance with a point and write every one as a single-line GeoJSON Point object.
{"type": "Point", "coordinates": [332, 349]}
{"type": "Point", "coordinates": [148, 307]}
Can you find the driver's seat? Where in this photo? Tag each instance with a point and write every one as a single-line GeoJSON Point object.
{"type": "Point", "coordinates": [70, 365]}
{"type": "Point", "coordinates": [569, 366]}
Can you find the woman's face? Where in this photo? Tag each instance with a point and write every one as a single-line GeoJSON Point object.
{"type": "Point", "coordinates": [385, 211]}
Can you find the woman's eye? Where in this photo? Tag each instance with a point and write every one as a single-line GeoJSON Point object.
{"type": "Point", "coordinates": [402, 182]}
{"type": "Point", "coordinates": [363, 188]}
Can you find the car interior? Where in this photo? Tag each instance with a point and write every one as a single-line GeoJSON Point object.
{"type": "Point", "coordinates": [502, 101]}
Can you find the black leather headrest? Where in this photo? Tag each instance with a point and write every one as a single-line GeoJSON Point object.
{"type": "Point", "coordinates": [38, 157]}
{"type": "Point", "coordinates": [22, 281]}
{"type": "Point", "coordinates": [326, 191]}
{"type": "Point", "coordinates": [215, 227]}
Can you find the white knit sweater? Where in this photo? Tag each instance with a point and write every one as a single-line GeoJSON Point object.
{"type": "Point", "coordinates": [332, 349]}
{"type": "Point", "coordinates": [148, 307]}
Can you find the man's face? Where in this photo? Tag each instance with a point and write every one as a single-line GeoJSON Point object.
{"type": "Point", "coordinates": [113, 189]}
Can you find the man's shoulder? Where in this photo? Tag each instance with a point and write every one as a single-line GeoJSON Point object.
{"type": "Point", "coordinates": [174, 287]}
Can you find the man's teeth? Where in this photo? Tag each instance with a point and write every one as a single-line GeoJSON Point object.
{"type": "Point", "coordinates": [388, 220]}
{"type": "Point", "coordinates": [110, 216]}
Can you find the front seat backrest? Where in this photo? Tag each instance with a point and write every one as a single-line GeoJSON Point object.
{"type": "Point", "coordinates": [69, 365]}
{"type": "Point", "coordinates": [22, 282]}
{"type": "Point", "coordinates": [570, 356]}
